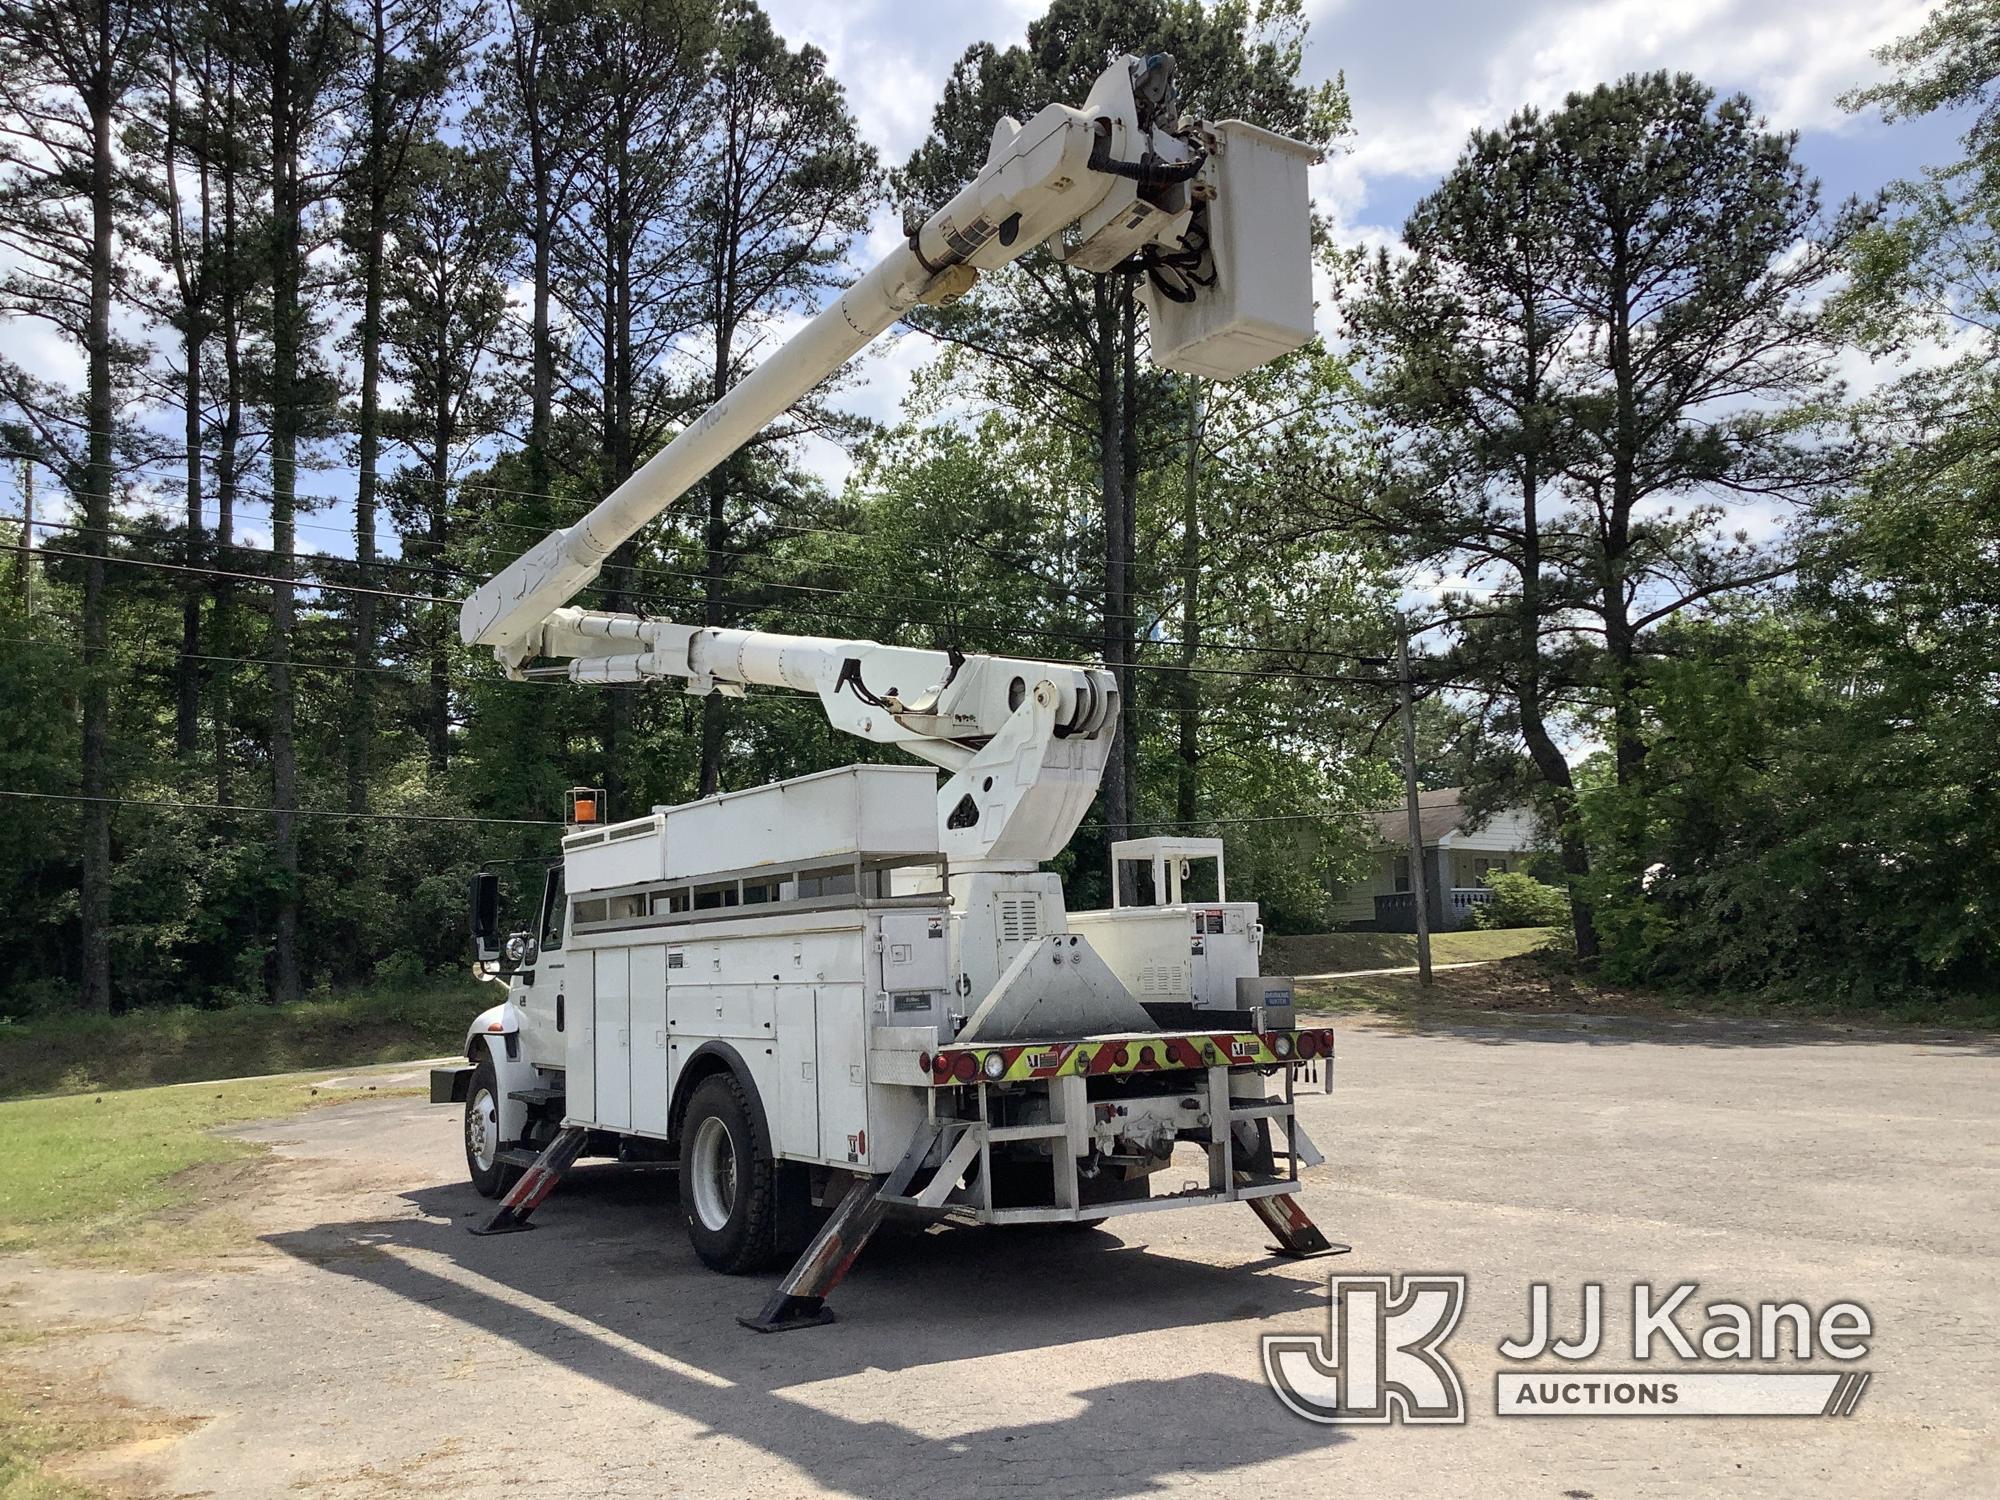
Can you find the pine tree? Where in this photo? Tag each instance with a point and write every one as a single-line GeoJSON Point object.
{"type": "Point", "coordinates": [71, 66]}
{"type": "Point", "coordinates": [785, 183]}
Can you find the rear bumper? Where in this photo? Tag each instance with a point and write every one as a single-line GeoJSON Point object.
{"type": "Point", "coordinates": [450, 1084]}
{"type": "Point", "coordinates": [1253, 1142]}
{"type": "Point", "coordinates": [958, 1063]}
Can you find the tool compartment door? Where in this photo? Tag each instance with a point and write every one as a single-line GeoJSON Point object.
{"type": "Point", "coordinates": [649, 1040]}
{"type": "Point", "coordinates": [912, 952]}
{"type": "Point", "coordinates": [797, 1122]}
{"type": "Point", "coordinates": [842, 1030]}
{"type": "Point", "coordinates": [580, 1039]}
{"type": "Point", "coordinates": [613, 1025]}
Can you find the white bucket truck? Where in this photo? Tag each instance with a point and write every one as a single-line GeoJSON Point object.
{"type": "Point", "coordinates": [857, 992]}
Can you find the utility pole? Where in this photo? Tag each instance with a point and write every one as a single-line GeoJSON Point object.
{"type": "Point", "coordinates": [1419, 878]}
{"type": "Point", "coordinates": [27, 578]}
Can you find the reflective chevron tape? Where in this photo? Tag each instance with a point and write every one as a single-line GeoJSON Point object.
{"type": "Point", "coordinates": [1152, 1054]}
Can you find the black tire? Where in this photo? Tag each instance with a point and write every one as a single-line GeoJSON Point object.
{"type": "Point", "coordinates": [728, 1180]}
{"type": "Point", "coordinates": [482, 1124]}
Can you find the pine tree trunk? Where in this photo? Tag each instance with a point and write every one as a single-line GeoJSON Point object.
{"type": "Point", "coordinates": [1550, 763]}
{"type": "Point", "coordinates": [437, 717]}
{"type": "Point", "coordinates": [368, 426]}
{"type": "Point", "coordinates": [714, 707]}
{"type": "Point", "coordinates": [288, 270]}
{"type": "Point", "coordinates": [1111, 475]}
{"type": "Point", "coordinates": [94, 894]}
{"type": "Point", "coordinates": [229, 317]}
{"type": "Point", "coordinates": [187, 676]}
{"type": "Point", "coordinates": [187, 673]}
{"type": "Point", "coordinates": [1128, 540]}
{"type": "Point", "coordinates": [1187, 698]}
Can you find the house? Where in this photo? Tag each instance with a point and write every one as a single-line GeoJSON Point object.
{"type": "Point", "coordinates": [1456, 860]}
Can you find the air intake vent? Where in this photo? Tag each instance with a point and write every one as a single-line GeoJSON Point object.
{"type": "Point", "coordinates": [1020, 919]}
{"type": "Point", "coordinates": [1163, 980]}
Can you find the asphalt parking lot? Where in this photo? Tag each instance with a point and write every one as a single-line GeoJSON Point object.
{"type": "Point", "coordinates": [365, 1344]}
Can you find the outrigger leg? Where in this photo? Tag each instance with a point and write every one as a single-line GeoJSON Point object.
{"type": "Point", "coordinates": [536, 1183]}
{"type": "Point", "coordinates": [800, 1300]}
{"type": "Point", "coordinates": [1298, 1236]}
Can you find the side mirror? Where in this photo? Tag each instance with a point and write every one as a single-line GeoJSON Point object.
{"type": "Point", "coordinates": [486, 917]}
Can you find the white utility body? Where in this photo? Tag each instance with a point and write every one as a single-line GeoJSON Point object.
{"type": "Point", "coordinates": [859, 991]}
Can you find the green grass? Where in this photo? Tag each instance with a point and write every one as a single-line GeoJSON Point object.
{"type": "Point", "coordinates": [1530, 985]}
{"type": "Point", "coordinates": [85, 1176]}
{"type": "Point", "coordinates": [138, 1176]}
{"type": "Point", "coordinates": [71, 1054]}
{"type": "Point", "coordinates": [1342, 952]}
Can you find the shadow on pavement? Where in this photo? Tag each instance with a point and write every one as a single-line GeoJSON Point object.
{"type": "Point", "coordinates": [608, 1288]}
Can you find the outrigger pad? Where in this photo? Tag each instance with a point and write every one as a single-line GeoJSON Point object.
{"type": "Point", "coordinates": [536, 1183]}
{"type": "Point", "coordinates": [1298, 1237]}
{"type": "Point", "coordinates": [783, 1313]}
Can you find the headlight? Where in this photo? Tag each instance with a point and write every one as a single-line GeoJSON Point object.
{"type": "Point", "coordinates": [519, 949]}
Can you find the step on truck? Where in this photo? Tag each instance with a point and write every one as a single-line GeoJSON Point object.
{"type": "Point", "coordinates": [859, 993]}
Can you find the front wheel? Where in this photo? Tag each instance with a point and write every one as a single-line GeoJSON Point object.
{"type": "Point", "coordinates": [728, 1187]}
{"type": "Point", "coordinates": [491, 1176]}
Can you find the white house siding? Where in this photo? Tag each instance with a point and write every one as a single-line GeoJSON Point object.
{"type": "Point", "coordinates": [1509, 836]}
{"type": "Point", "coordinates": [1356, 901]}
{"type": "Point", "coordinates": [1511, 831]}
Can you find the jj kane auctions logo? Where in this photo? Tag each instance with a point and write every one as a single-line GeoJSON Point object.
{"type": "Point", "coordinates": [1383, 1360]}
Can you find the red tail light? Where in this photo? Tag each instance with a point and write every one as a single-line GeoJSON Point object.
{"type": "Point", "coordinates": [965, 1067]}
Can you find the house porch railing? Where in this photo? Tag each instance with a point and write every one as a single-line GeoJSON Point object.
{"type": "Point", "coordinates": [1396, 911]}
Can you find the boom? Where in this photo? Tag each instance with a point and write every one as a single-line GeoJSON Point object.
{"type": "Point", "coordinates": [1217, 217]}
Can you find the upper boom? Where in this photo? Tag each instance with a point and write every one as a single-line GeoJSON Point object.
{"type": "Point", "coordinates": [1124, 172]}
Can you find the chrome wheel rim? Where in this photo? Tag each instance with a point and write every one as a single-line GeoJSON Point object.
{"type": "Point", "coordinates": [482, 1130]}
{"type": "Point", "coordinates": [712, 1173]}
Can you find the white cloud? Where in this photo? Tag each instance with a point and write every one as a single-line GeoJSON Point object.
{"type": "Point", "coordinates": [1423, 76]}
{"type": "Point", "coordinates": [893, 58]}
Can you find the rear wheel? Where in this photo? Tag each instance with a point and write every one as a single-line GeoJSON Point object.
{"type": "Point", "coordinates": [490, 1175]}
{"type": "Point", "coordinates": [728, 1188]}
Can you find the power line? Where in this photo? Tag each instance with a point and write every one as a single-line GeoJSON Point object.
{"type": "Point", "coordinates": [299, 812]}
{"type": "Point", "coordinates": [675, 605]}
{"type": "Point", "coordinates": [636, 570]}
{"type": "Point", "coordinates": [174, 653]}
{"type": "Point", "coordinates": [1291, 673]}
{"type": "Point", "coordinates": [1303, 817]}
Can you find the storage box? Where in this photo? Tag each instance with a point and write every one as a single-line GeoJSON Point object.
{"type": "Point", "coordinates": [873, 812]}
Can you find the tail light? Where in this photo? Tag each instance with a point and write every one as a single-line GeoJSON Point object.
{"type": "Point", "coordinates": [965, 1067]}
